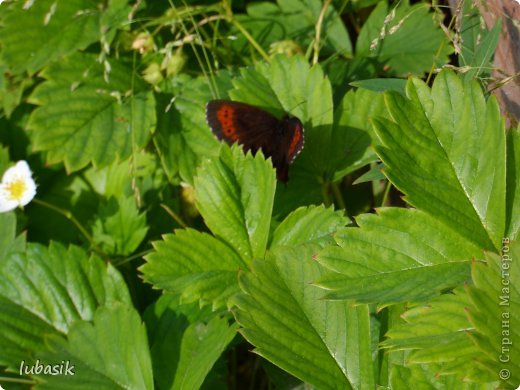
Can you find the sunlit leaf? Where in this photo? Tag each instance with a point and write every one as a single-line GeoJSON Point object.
{"type": "Point", "coordinates": [45, 290]}
{"type": "Point", "coordinates": [433, 152]}
{"type": "Point", "coordinates": [235, 196]}
{"type": "Point", "coordinates": [308, 224]}
{"type": "Point", "coordinates": [111, 352]}
{"type": "Point", "coordinates": [195, 265]}
{"type": "Point", "coordinates": [466, 334]}
{"type": "Point", "coordinates": [283, 316]}
{"type": "Point", "coordinates": [395, 256]}
{"type": "Point", "coordinates": [513, 184]}
{"type": "Point", "coordinates": [81, 118]}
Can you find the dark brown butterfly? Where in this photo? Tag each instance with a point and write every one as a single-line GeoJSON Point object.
{"type": "Point", "coordinates": [254, 128]}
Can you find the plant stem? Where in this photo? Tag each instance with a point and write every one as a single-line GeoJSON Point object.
{"type": "Point", "coordinates": [251, 40]}
{"type": "Point", "coordinates": [18, 380]}
{"type": "Point", "coordinates": [67, 214]}
{"type": "Point", "coordinates": [135, 256]}
{"type": "Point", "coordinates": [385, 195]}
{"type": "Point", "coordinates": [317, 40]}
{"type": "Point", "coordinates": [338, 196]}
{"type": "Point", "coordinates": [325, 194]}
{"type": "Point", "coordinates": [172, 214]}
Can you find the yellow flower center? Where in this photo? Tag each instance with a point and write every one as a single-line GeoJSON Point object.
{"type": "Point", "coordinates": [16, 189]}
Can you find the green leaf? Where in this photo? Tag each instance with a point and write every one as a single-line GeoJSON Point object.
{"type": "Point", "coordinates": [5, 161]}
{"type": "Point", "coordinates": [308, 224]}
{"type": "Point", "coordinates": [47, 30]}
{"type": "Point", "coordinates": [12, 88]}
{"type": "Point", "coordinates": [497, 321]}
{"type": "Point", "coordinates": [283, 316]}
{"type": "Point", "coordinates": [334, 33]}
{"type": "Point", "coordinates": [8, 241]}
{"type": "Point", "coordinates": [185, 342]}
{"type": "Point", "coordinates": [81, 118]}
{"type": "Point", "coordinates": [142, 172]}
{"type": "Point", "coordinates": [301, 190]}
{"type": "Point", "coordinates": [118, 227]}
{"type": "Point", "coordinates": [45, 290]}
{"type": "Point", "coordinates": [183, 138]}
{"type": "Point", "coordinates": [195, 265]}
{"type": "Point", "coordinates": [312, 102]}
{"type": "Point", "coordinates": [433, 153]}
{"type": "Point", "coordinates": [396, 256]}
{"type": "Point", "coordinates": [169, 142]}
{"type": "Point", "coordinates": [294, 20]}
{"type": "Point", "coordinates": [466, 334]}
{"type": "Point", "coordinates": [437, 333]}
{"type": "Point", "coordinates": [23, 332]}
{"type": "Point", "coordinates": [352, 133]}
{"type": "Point", "coordinates": [374, 174]}
{"type": "Point", "coordinates": [356, 5]}
{"type": "Point", "coordinates": [254, 87]}
{"type": "Point", "coordinates": [111, 352]}
{"type": "Point", "coordinates": [235, 196]}
{"type": "Point", "coordinates": [70, 192]}
{"type": "Point", "coordinates": [427, 377]}
{"type": "Point", "coordinates": [381, 85]}
{"type": "Point", "coordinates": [477, 44]}
{"type": "Point", "coordinates": [513, 184]}
{"type": "Point", "coordinates": [421, 327]}
{"type": "Point", "coordinates": [404, 40]}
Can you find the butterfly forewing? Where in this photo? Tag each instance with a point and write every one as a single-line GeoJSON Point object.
{"type": "Point", "coordinates": [256, 129]}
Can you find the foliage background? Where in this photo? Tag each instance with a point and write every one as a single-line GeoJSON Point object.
{"type": "Point", "coordinates": [154, 257]}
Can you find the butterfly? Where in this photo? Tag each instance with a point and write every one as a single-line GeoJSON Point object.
{"type": "Point", "coordinates": [254, 129]}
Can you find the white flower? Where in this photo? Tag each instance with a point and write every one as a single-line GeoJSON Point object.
{"type": "Point", "coordinates": [17, 187]}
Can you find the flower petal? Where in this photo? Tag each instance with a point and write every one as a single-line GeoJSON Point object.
{"type": "Point", "coordinates": [17, 187]}
{"type": "Point", "coordinates": [6, 204]}
{"type": "Point", "coordinates": [20, 170]}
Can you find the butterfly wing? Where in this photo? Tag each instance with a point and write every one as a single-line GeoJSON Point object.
{"type": "Point", "coordinates": [248, 125]}
{"type": "Point", "coordinates": [291, 145]}
{"type": "Point", "coordinates": [254, 129]}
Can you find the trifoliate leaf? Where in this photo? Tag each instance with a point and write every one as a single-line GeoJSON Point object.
{"type": "Point", "coordinates": [324, 343]}
{"type": "Point", "coordinates": [119, 228]}
{"type": "Point", "coordinates": [433, 151]}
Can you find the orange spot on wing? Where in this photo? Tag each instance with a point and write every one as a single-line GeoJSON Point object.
{"type": "Point", "coordinates": [225, 118]}
{"type": "Point", "coordinates": [294, 142]}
